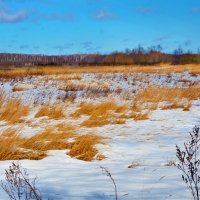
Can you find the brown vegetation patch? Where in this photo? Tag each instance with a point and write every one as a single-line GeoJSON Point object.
{"type": "Point", "coordinates": [141, 116]}
{"type": "Point", "coordinates": [73, 87]}
{"type": "Point", "coordinates": [100, 114]}
{"type": "Point", "coordinates": [12, 110]}
{"type": "Point", "coordinates": [187, 106]}
{"type": "Point", "coordinates": [67, 77]}
{"type": "Point", "coordinates": [185, 81]}
{"type": "Point", "coordinates": [14, 147]}
{"type": "Point", "coordinates": [119, 121]}
{"type": "Point", "coordinates": [162, 68]}
{"type": "Point", "coordinates": [52, 138]}
{"type": "Point", "coordinates": [10, 150]}
{"type": "Point", "coordinates": [83, 148]}
{"type": "Point", "coordinates": [91, 90]}
{"type": "Point", "coordinates": [52, 111]}
{"type": "Point", "coordinates": [160, 94]}
{"type": "Point", "coordinates": [19, 88]}
{"type": "Point", "coordinates": [173, 105]}
{"type": "Point", "coordinates": [96, 122]}
{"type": "Point", "coordinates": [84, 109]}
{"type": "Point", "coordinates": [11, 147]}
{"type": "Point", "coordinates": [173, 97]}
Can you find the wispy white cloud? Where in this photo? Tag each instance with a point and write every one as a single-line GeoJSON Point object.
{"type": "Point", "coordinates": [103, 15]}
{"type": "Point", "coordinates": [87, 44]}
{"type": "Point", "coordinates": [24, 46]}
{"type": "Point", "coordinates": [196, 10]}
{"type": "Point", "coordinates": [64, 47]}
{"type": "Point", "coordinates": [54, 16]}
{"type": "Point", "coordinates": [7, 17]}
{"type": "Point", "coordinates": [144, 10]}
{"type": "Point", "coordinates": [60, 16]}
{"type": "Point", "coordinates": [94, 1]}
{"type": "Point", "coordinates": [161, 38]}
{"type": "Point", "coordinates": [187, 43]}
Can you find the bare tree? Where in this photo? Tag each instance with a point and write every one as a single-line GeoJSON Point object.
{"type": "Point", "coordinates": [18, 185]}
{"type": "Point", "coordinates": [189, 162]}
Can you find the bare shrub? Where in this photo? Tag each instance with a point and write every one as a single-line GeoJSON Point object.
{"type": "Point", "coordinates": [189, 162]}
{"type": "Point", "coordinates": [108, 174]}
{"type": "Point", "coordinates": [18, 185]}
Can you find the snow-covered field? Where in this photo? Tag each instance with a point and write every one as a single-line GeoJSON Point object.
{"type": "Point", "coordinates": [148, 145]}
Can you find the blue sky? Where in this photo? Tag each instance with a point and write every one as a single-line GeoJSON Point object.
{"type": "Point", "coordinates": [97, 26]}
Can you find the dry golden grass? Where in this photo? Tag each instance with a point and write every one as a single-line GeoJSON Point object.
{"type": "Point", "coordinates": [91, 90]}
{"type": "Point", "coordinates": [163, 97]}
{"type": "Point", "coordinates": [135, 116]}
{"type": "Point", "coordinates": [11, 147]}
{"type": "Point", "coordinates": [70, 97]}
{"type": "Point", "coordinates": [141, 116]}
{"type": "Point", "coordinates": [136, 106]}
{"type": "Point", "coordinates": [83, 148]}
{"type": "Point", "coordinates": [100, 114]}
{"type": "Point", "coordinates": [19, 88]}
{"type": "Point", "coordinates": [173, 105]}
{"type": "Point", "coordinates": [10, 132]}
{"type": "Point", "coordinates": [12, 110]}
{"type": "Point", "coordinates": [10, 150]}
{"type": "Point", "coordinates": [67, 77]}
{"type": "Point", "coordinates": [119, 121]}
{"type": "Point", "coordinates": [105, 107]}
{"type": "Point", "coordinates": [14, 147]}
{"type": "Point", "coordinates": [185, 81]}
{"type": "Point", "coordinates": [98, 109]}
{"type": "Point", "coordinates": [96, 121]}
{"type": "Point", "coordinates": [52, 138]}
{"type": "Point", "coordinates": [73, 86]}
{"type": "Point", "coordinates": [54, 111]}
{"type": "Point", "coordinates": [187, 106]}
{"type": "Point", "coordinates": [84, 109]}
{"type": "Point", "coordinates": [172, 96]}
{"type": "Point", "coordinates": [162, 68]}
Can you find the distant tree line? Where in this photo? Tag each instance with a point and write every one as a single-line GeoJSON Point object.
{"type": "Point", "coordinates": [138, 56]}
{"type": "Point", "coordinates": [151, 56]}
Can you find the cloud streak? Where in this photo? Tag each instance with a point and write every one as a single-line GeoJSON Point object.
{"type": "Point", "coordinates": [144, 10]}
{"type": "Point", "coordinates": [54, 16]}
{"type": "Point", "coordinates": [64, 47]}
{"type": "Point", "coordinates": [196, 10]}
{"type": "Point", "coordinates": [60, 16]}
{"type": "Point", "coordinates": [13, 18]}
{"type": "Point", "coordinates": [161, 38]}
{"type": "Point", "coordinates": [103, 15]}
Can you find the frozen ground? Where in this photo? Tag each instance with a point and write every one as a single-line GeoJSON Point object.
{"type": "Point", "coordinates": [148, 143]}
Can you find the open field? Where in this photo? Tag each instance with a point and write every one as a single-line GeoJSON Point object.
{"type": "Point", "coordinates": [10, 72]}
{"type": "Point", "coordinates": [62, 123]}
